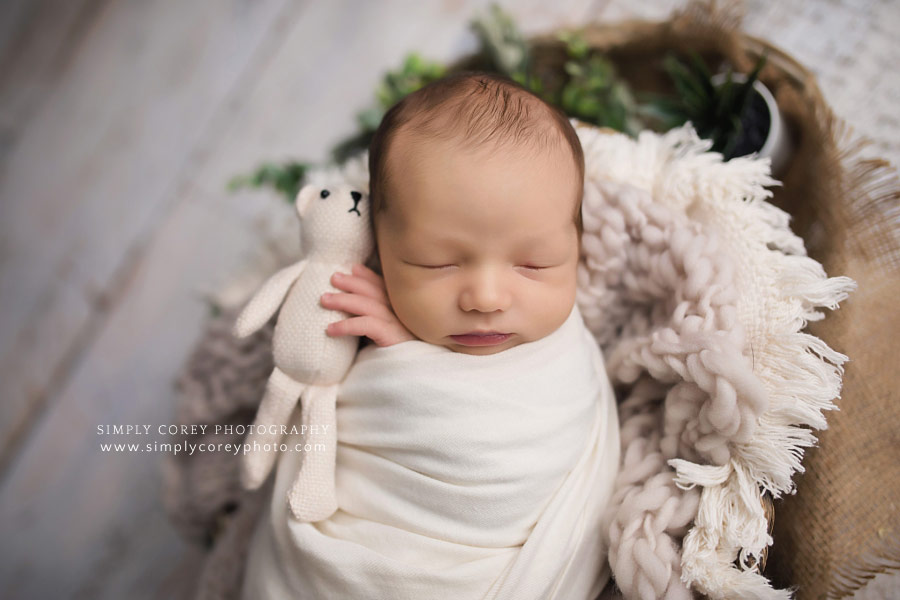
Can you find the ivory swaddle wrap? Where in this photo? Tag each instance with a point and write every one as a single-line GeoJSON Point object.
{"type": "Point", "coordinates": [458, 476]}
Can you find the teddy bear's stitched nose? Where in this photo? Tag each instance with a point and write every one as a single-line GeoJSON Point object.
{"type": "Point", "coordinates": [356, 198]}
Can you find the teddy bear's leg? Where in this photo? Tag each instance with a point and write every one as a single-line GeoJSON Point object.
{"type": "Point", "coordinates": [279, 400]}
{"type": "Point", "coordinates": [312, 496]}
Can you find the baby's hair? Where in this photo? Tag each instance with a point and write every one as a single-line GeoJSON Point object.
{"type": "Point", "coordinates": [473, 108]}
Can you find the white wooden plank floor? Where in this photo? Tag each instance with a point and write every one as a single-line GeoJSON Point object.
{"type": "Point", "coordinates": [120, 123]}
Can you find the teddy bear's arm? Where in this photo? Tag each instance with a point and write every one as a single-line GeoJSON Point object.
{"type": "Point", "coordinates": [267, 300]}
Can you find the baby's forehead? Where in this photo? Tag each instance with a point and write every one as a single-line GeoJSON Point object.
{"type": "Point", "coordinates": [415, 157]}
{"type": "Point", "coordinates": [445, 188]}
{"type": "Point", "coordinates": [410, 144]}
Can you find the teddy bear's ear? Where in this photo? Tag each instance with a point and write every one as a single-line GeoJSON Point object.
{"type": "Point", "coordinates": [304, 197]}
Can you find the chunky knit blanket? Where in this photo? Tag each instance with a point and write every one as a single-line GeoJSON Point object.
{"type": "Point", "coordinates": [697, 292]}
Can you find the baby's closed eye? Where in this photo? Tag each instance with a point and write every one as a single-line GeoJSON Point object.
{"type": "Point", "coordinates": [431, 266]}
{"type": "Point", "coordinates": [528, 266]}
{"type": "Point", "coordinates": [536, 271]}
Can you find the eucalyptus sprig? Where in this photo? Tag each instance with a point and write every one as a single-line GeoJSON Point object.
{"type": "Point", "coordinates": [505, 47]}
{"type": "Point", "coordinates": [594, 92]}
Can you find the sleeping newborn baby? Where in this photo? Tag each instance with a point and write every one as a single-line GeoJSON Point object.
{"type": "Point", "coordinates": [477, 438]}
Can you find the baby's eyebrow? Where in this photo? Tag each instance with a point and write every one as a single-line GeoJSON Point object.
{"type": "Point", "coordinates": [538, 241]}
{"type": "Point", "coordinates": [534, 239]}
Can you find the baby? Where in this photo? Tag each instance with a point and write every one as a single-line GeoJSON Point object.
{"type": "Point", "coordinates": [477, 439]}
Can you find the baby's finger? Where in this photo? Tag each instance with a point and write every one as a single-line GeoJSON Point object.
{"type": "Point", "coordinates": [359, 285]}
{"type": "Point", "coordinates": [368, 274]}
{"type": "Point", "coordinates": [375, 329]}
{"type": "Point", "coordinates": [358, 326]}
{"type": "Point", "coordinates": [356, 304]}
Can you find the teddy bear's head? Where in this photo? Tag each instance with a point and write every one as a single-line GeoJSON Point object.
{"type": "Point", "coordinates": [334, 222]}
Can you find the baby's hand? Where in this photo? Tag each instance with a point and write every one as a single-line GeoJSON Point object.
{"type": "Point", "coordinates": [367, 298]}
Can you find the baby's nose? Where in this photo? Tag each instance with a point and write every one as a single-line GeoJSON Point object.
{"type": "Point", "coordinates": [485, 291]}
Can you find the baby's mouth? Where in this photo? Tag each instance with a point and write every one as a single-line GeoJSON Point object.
{"type": "Point", "coordinates": [481, 338]}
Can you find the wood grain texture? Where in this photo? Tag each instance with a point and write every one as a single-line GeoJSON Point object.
{"type": "Point", "coordinates": [93, 173]}
{"type": "Point", "coordinates": [122, 122]}
{"type": "Point", "coordinates": [36, 42]}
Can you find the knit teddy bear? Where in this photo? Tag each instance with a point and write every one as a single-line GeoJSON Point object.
{"type": "Point", "coordinates": [309, 365]}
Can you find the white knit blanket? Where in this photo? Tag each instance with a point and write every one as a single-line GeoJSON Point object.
{"type": "Point", "coordinates": [697, 291]}
{"type": "Point", "coordinates": [458, 476]}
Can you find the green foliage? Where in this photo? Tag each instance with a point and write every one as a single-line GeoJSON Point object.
{"type": "Point", "coordinates": [715, 111]}
{"type": "Point", "coordinates": [589, 89]}
{"type": "Point", "coordinates": [214, 308]}
{"type": "Point", "coordinates": [415, 73]}
{"type": "Point", "coordinates": [287, 178]}
{"type": "Point", "coordinates": [505, 47]}
{"type": "Point", "coordinates": [593, 92]}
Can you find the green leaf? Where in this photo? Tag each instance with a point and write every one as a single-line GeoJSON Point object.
{"type": "Point", "coordinates": [702, 74]}
{"type": "Point", "coordinates": [715, 111]}
{"type": "Point", "coordinates": [286, 178]}
{"type": "Point", "coordinates": [501, 41]}
{"type": "Point", "coordinates": [576, 46]}
{"type": "Point", "coordinates": [370, 118]}
{"type": "Point", "coordinates": [574, 69]}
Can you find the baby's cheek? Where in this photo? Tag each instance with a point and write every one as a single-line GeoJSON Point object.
{"type": "Point", "coordinates": [398, 286]}
{"type": "Point", "coordinates": [556, 304]}
{"type": "Point", "coordinates": [417, 299]}
{"type": "Point", "coordinates": [419, 307]}
{"type": "Point", "coordinates": [420, 321]}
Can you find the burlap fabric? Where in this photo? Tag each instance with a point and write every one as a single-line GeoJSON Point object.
{"type": "Point", "coordinates": [843, 524]}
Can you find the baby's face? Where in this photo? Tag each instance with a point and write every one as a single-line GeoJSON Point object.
{"type": "Point", "coordinates": [479, 248]}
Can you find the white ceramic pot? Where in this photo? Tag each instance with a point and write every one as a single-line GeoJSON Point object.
{"type": "Point", "coordinates": [777, 146]}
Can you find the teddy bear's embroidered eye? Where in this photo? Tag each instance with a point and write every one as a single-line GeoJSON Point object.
{"type": "Point", "coordinates": [325, 194]}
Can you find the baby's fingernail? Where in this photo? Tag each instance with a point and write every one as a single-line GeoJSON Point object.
{"type": "Point", "coordinates": [338, 275]}
{"type": "Point", "coordinates": [326, 296]}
